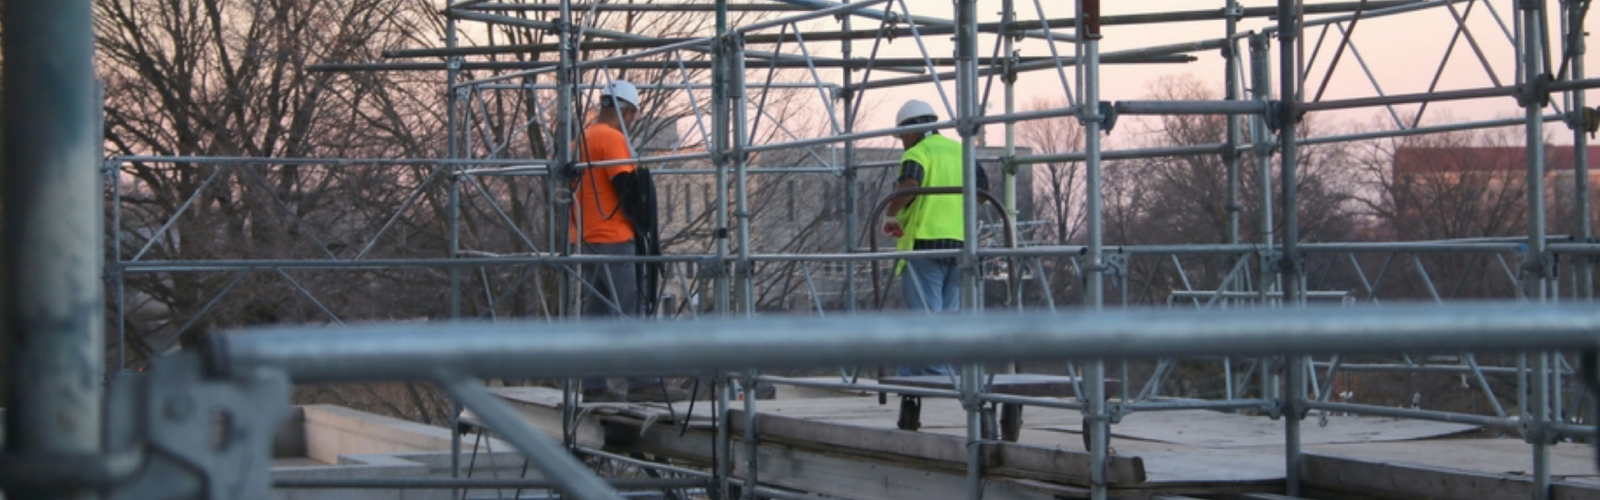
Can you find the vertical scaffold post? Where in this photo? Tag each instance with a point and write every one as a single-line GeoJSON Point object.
{"type": "Point", "coordinates": [722, 472]}
{"type": "Point", "coordinates": [744, 271]}
{"type": "Point", "coordinates": [1230, 54]}
{"type": "Point", "coordinates": [1289, 25]}
{"type": "Point", "coordinates": [1008, 165]}
{"type": "Point", "coordinates": [54, 299]}
{"type": "Point", "coordinates": [720, 132]}
{"type": "Point", "coordinates": [966, 20]}
{"type": "Point", "coordinates": [852, 192]}
{"type": "Point", "coordinates": [1536, 265]}
{"type": "Point", "coordinates": [1261, 137]}
{"type": "Point", "coordinates": [734, 45]}
{"type": "Point", "coordinates": [1094, 290]}
{"type": "Point", "coordinates": [1576, 48]}
{"type": "Point", "coordinates": [453, 216]}
{"type": "Point", "coordinates": [1231, 155]}
{"type": "Point", "coordinates": [559, 210]}
{"type": "Point", "coordinates": [556, 177]}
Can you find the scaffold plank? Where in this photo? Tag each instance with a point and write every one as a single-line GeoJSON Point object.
{"type": "Point", "coordinates": [1049, 463]}
{"type": "Point", "coordinates": [1230, 430]}
{"type": "Point", "coordinates": [1388, 477]}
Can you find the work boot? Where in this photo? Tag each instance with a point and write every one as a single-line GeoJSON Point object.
{"type": "Point", "coordinates": [603, 395]}
{"type": "Point", "coordinates": [656, 393]}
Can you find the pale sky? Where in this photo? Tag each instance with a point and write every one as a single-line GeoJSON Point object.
{"type": "Point", "coordinates": [1402, 51]}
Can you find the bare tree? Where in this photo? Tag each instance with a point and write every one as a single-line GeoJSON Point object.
{"type": "Point", "coordinates": [1184, 199]}
{"type": "Point", "coordinates": [1061, 186]}
{"type": "Point", "coordinates": [1456, 185]}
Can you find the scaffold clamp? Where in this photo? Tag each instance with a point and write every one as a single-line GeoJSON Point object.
{"type": "Point", "coordinates": [1536, 265]}
{"type": "Point", "coordinates": [199, 437]}
{"type": "Point", "coordinates": [1117, 264]}
{"type": "Point", "coordinates": [1535, 91]}
{"type": "Point", "coordinates": [1585, 119]}
{"type": "Point", "coordinates": [1108, 117]}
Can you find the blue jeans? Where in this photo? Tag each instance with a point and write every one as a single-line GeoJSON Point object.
{"type": "Point", "coordinates": [611, 290]}
{"type": "Point", "coordinates": [930, 285]}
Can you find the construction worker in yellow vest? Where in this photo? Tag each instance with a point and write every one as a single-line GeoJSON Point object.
{"type": "Point", "coordinates": [928, 222]}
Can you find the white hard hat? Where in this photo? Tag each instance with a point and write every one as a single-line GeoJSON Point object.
{"type": "Point", "coordinates": [623, 91]}
{"type": "Point", "coordinates": [913, 109]}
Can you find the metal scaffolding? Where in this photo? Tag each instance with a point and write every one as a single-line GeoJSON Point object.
{"type": "Point", "coordinates": [1265, 285]}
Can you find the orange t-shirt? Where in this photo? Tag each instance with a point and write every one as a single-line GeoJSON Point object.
{"type": "Point", "coordinates": [596, 199]}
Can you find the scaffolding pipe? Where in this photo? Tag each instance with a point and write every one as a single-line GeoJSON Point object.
{"type": "Point", "coordinates": [1035, 66]}
{"type": "Point", "coordinates": [1231, 148]}
{"type": "Point", "coordinates": [453, 220]}
{"type": "Point", "coordinates": [1289, 263]}
{"type": "Point", "coordinates": [1447, 95]}
{"type": "Point", "coordinates": [967, 109]}
{"type": "Point", "coordinates": [852, 191]}
{"type": "Point", "coordinates": [406, 351]}
{"type": "Point", "coordinates": [54, 305]}
{"type": "Point", "coordinates": [1536, 265]}
{"type": "Point", "coordinates": [548, 457]}
{"type": "Point", "coordinates": [1099, 430]}
{"type": "Point", "coordinates": [745, 271]}
{"type": "Point", "coordinates": [1008, 167]}
{"type": "Point", "coordinates": [1228, 107]}
{"type": "Point", "coordinates": [560, 214]}
{"type": "Point", "coordinates": [1576, 48]}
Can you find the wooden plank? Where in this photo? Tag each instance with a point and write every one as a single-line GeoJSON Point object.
{"type": "Point", "coordinates": [1213, 429]}
{"type": "Point", "coordinates": [1052, 463]}
{"type": "Point", "coordinates": [1407, 480]}
{"type": "Point", "coordinates": [542, 407]}
{"type": "Point", "coordinates": [809, 433]}
{"type": "Point", "coordinates": [1575, 489]}
{"type": "Point", "coordinates": [1120, 470]}
{"type": "Point", "coordinates": [1498, 456]}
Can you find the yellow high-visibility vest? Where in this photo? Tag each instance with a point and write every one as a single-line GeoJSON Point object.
{"type": "Point", "coordinates": [933, 217]}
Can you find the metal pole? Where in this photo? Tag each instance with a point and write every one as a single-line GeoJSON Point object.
{"type": "Point", "coordinates": [1535, 268]}
{"type": "Point", "coordinates": [745, 273]}
{"type": "Point", "coordinates": [566, 117]}
{"type": "Point", "coordinates": [1009, 80]}
{"type": "Point", "coordinates": [852, 191]}
{"type": "Point", "coordinates": [1009, 165]}
{"type": "Point", "coordinates": [453, 216]}
{"type": "Point", "coordinates": [1288, 146]}
{"type": "Point", "coordinates": [1095, 385]}
{"type": "Point", "coordinates": [1261, 85]}
{"type": "Point", "coordinates": [1576, 49]}
{"type": "Point", "coordinates": [751, 446]}
{"type": "Point", "coordinates": [966, 111]}
{"type": "Point", "coordinates": [557, 463]}
{"type": "Point", "coordinates": [559, 213]}
{"type": "Point", "coordinates": [1288, 70]}
{"type": "Point", "coordinates": [720, 126]}
{"type": "Point", "coordinates": [578, 349]}
{"type": "Point", "coordinates": [53, 295]}
{"type": "Point", "coordinates": [119, 276]}
{"type": "Point", "coordinates": [723, 446]}
{"type": "Point", "coordinates": [1230, 155]}
{"type": "Point", "coordinates": [966, 20]}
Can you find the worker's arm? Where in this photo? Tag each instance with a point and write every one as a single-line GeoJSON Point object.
{"type": "Point", "coordinates": [901, 201]}
{"type": "Point", "coordinates": [910, 178]}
